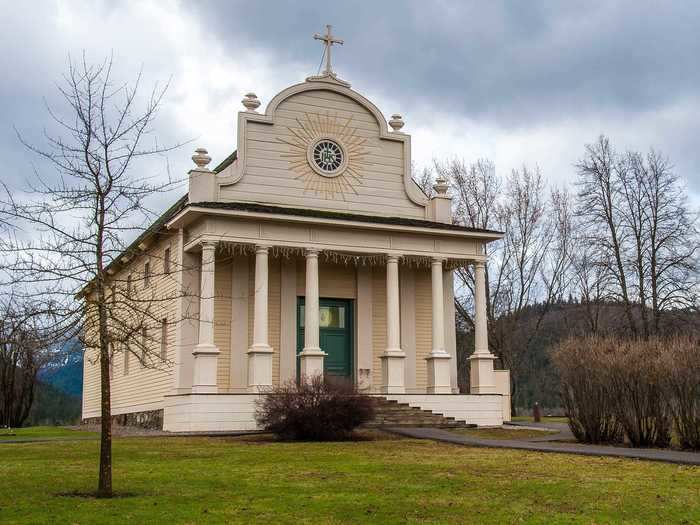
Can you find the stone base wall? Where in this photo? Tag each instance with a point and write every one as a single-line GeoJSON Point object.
{"type": "Point", "coordinates": [150, 419]}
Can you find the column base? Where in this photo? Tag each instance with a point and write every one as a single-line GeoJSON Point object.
{"type": "Point", "coordinates": [311, 362]}
{"type": "Point", "coordinates": [260, 368]}
{"type": "Point", "coordinates": [206, 357]}
{"type": "Point", "coordinates": [481, 377]}
{"type": "Point", "coordinates": [439, 373]}
{"type": "Point", "coordinates": [393, 371]}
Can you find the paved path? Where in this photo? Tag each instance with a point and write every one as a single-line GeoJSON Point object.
{"type": "Point", "coordinates": [564, 432]}
{"type": "Point", "coordinates": [668, 456]}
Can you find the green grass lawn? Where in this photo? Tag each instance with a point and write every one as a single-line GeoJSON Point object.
{"type": "Point", "coordinates": [32, 433]}
{"type": "Point", "coordinates": [217, 480]}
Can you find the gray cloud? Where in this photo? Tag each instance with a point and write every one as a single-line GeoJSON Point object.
{"type": "Point", "coordinates": [508, 61]}
{"type": "Point", "coordinates": [524, 73]}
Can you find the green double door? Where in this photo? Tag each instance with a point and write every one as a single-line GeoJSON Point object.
{"type": "Point", "coordinates": [336, 335]}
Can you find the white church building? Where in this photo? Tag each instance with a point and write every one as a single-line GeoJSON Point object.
{"type": "Point", "coordinates": [309, 250]}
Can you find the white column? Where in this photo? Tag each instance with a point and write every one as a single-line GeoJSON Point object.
{"type": "Point", "coordinates": [438, 307]}
{"type": "Point", "coordinates": [260, 353]}
{"type": "Point", "coordinates": [481, 376]}
{"type": "Point", "coordinates": [393, 366]}
{"type": "Point", "coordinates": [439, 359]}
{"type": "Point", "coordinates": [311, 357]}
{"type": "Point", "coordinates": [205, 352]}
{"type": "Point", "coordinates": [365, 315]}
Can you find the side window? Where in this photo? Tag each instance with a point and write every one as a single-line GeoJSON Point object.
{"type": "Point", "coordinates": [147, 274]}
{"type": "Point", "coordinates": [144, 345]}
{"type": "Point", "coordinates": [166, 261]}
{"type": "Point", "coordinates": [164, 339]}
{"type": "Point", "coordinates": [111, 361]}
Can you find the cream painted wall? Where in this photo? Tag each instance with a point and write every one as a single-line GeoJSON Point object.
{"type": "Point", "coordinates": [142, 388]}
{"type": "Point", "coordinates": [335, 281]}
{"type": "Point", "coordinates": [270, 177]}
{"type": "Point", "coordinates": [424, 338]}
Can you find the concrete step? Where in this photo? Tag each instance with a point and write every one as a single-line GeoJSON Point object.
{"type": "Point", "coordinates": [391, 413]}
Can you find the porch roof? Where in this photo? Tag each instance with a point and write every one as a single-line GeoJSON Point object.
{"type": "Point", "coordinates": [333, 215]}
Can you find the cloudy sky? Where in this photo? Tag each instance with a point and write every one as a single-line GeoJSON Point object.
{"type": "Point", "coordinates": [517, 82]}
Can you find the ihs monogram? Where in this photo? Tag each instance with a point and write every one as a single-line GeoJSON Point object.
{"type": "Point", "coordinates": [326, 154]}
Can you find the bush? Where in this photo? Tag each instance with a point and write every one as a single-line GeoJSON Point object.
{"type": "Point", "coordinates": [639, 387]}
{"type": "Point", "coordinates": [585, 392]}
{"type": "Point", "coordinates": [681, 369]}
{"type": "Point", "coordinates": [315, 409]}
{"type": "Point", "coordinates": [638, 391]}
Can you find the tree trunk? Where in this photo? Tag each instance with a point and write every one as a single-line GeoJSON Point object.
{"type": "Point", "coordinates": [104, 488]}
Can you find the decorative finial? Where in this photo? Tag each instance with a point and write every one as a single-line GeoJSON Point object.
{"type": "Point", "coordinates": [441, 186]}
{"type": "Point", "coordinates": [328, 40]}
{"type": "Point", "coordinates": [396, 122]}
{"type": "Point", "coordinates": [201, 158]}
{"type": "Point", "coordinates": [251, 102]}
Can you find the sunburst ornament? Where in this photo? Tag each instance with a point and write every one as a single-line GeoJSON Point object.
{"type": "Point", "coordinates": [326, 154]}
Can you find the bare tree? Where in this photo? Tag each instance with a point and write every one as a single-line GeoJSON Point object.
{"type": "Point", "coordinates": [673, 244]}
{"type": "Point", "coordinates": [425, 178]}
{"type": "Point", "coordinates": [530, 266]}
{"type": "Point", "coordinates": [70, 227]}
{"type": "Point", "coordinates": [24, 349]}
{"type": "Point", "coordinates": [640, 234]}
{"type": "Point", "coordinates": [599, 195]}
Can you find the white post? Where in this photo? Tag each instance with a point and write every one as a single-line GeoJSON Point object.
{"type": "Point", "coordinates": [393, 373]}
{"type": "Point", "coordinates": [439, 359]}
{"type": "Point", "coordinates": [205, 352]}
{"type": "Point", "coordinates": [260, 354]}
{"type": "Point", "coordinates": [311, 357]}
{"type": "Point", "coordinates": [481, 376]}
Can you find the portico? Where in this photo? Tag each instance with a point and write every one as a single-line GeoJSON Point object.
{"type": "Point", "coordinates": [300, 247]}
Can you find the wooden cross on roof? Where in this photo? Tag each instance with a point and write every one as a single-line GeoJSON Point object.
{"type": "Point", "coordinates": [328, 40]}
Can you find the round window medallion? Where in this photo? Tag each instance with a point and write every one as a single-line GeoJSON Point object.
{"type": "Point", "coordinates": [327, 157]}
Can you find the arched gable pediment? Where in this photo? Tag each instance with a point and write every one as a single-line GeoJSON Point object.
{"type": "Point", "coordinates": [279, 150]}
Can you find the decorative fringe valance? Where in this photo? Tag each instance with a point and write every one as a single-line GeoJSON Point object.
{"type": "Point", "coordinates": [339, 257]}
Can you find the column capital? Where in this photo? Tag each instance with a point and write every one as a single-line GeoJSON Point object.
{"type": "Point", "coordinates": [392, 257]}
{"type": "Point", "coordinates": [480, 264]}
{"type": "Point", "coordinates": [437, 260]}
{"type": "Point", "coordinates": [262, 248]}
{"type": "Point", "coordinates": [209, 244]}
{"type": "Point", "coordinates": [312, 252]}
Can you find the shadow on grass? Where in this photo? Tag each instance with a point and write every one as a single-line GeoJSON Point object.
{"type": "Point", "coordinates": [361, 435]}
{"type": "Point", "coordinates": [94, 495]}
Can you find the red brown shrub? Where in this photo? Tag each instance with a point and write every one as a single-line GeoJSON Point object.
{"type": "Point", "coordinates": [585, 390]}
{"type": "Point", "coordinates": [314, 410]}
{"type": "Point", "coordinates": [681, 371]}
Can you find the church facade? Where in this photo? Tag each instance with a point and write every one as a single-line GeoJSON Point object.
{"type": "Point", "coordinates": [310, 250]}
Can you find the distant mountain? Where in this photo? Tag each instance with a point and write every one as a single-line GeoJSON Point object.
{"type": "Point", "coordinates": [65, 372]}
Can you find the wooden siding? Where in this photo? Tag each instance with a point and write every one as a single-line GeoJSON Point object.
{"type": "Point", "coordinates": [378, 323]}
{"type": "Point", "coordinates": [424, 326]}
{"type": "Point", "coordinates": [142, 388]}
{"type": "Point", "coordinates": [335, 281]}
{"type": "Point", "coordinates": [269, 179]}
{"type": "Point", "coordinates": [273, 306]}
{"type": "Point", "coordinates": [222, 319]}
